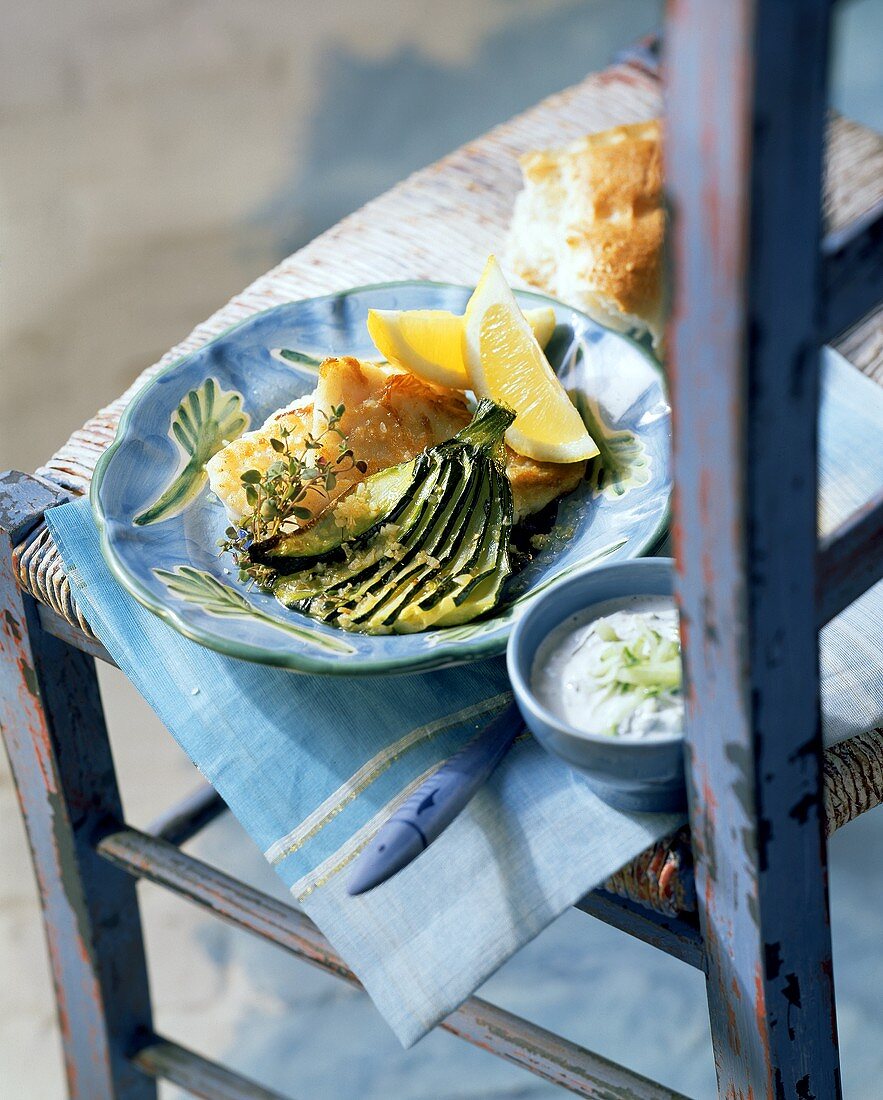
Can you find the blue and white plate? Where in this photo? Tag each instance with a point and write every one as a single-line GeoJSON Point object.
{"type": "Point", "coordinates": [160, 523]}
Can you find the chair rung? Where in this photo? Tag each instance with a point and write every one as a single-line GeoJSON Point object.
{"type": "Point", "coordinates": [850, 560]}
{"type": "Point", "coordinates": [852, 272]}
{"type": "Point", "coordinates": [673, 935]}
{"type": "Point", "coordinates": [478, 1022]}
{"type": "Point", "coordinates": [167, 1061]}
{"type": "Point", "coordinates": [181, 822]}
{"type": "Point", "coordinates": [549, 1056]}
{"type": "Point", "coordinates": [236, 902]}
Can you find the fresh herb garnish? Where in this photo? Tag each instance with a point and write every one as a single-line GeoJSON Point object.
{"type": "Point", "coordinates": [295, 487]}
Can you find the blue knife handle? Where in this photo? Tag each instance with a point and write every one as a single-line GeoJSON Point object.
{"type": "Point", "coordinates": [435, 804]}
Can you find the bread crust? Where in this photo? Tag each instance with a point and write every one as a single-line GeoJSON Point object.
{"type": "Point", "coordinates": [589, 226]}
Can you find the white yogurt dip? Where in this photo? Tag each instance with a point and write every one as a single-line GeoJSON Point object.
{"type": "Point", "coordinates": [614, 668]}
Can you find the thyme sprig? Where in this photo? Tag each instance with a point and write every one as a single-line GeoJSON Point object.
{"type": "Point", "coordinates": [294, 487]}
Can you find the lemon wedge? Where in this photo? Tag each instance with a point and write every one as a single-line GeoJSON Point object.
{"type": "Point", "coordinates": [542, 322]}
{"type": "Point", "coordinates": [506, 363]}
{"type": "Point", "coordinates": [429, 342]}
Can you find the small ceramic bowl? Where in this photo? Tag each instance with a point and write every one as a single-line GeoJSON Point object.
{"type": "Point", "coordinates": [628, 773]}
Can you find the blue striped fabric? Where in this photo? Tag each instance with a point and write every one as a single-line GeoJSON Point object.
{"type": "Point", "coordinates": [311, 765]}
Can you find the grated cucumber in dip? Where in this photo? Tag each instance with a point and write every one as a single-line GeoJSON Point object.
{"type": "Point", "coordinates": [615, 669]}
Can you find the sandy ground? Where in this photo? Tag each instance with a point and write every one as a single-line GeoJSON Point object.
{"type": "Point", "coordinates": [156, 158]}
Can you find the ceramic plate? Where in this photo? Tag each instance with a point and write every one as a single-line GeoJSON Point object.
{"type": "Point", "coordinates": [160, 523]}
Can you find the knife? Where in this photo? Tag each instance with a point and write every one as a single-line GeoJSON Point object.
{"type": "Point", "coordinates": [435, 804]}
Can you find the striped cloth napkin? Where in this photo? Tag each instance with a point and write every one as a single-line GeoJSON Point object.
{"type": "Point", "coordinates": [311, 765]}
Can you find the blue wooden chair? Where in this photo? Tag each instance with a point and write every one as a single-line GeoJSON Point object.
{"type": "Point", "coordinates": [757, 289]}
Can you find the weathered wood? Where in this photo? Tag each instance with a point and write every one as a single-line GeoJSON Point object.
{"type": "Point", "coordinates": [746, 111]}
{"type": "Point", "coordinates": [168, 1061]}
{"type": "Point", "coordinates": [53, 729]}
{"type": "Point", "coordinates": [485, 1025]}
{"type": "Point", "coordinates": [850, 559]}
{"type": "Point", "coordinates": [554, 1059]}
{"type": "Point", "coordinates": [24, 499]}
{"type": "Point", "coordinates": [233, 901]}
{"type": "Point", "coordinates": [181, 822]}
{"type": "Point", "coordinates": [852, 272]}
{"type": "Point", "coordinates": [674, 935]}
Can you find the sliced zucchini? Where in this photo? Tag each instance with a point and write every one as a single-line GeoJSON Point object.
{"type": "Point", "coordinates": [387, 589]}
{"type": "Point", "coordinates": [366, 507]}
{"type": "Point", "coordinates": [435, 553]}
{"type": "Point", "coordinates": [362, 558]}
{"type": "Point", "coordinates": [427, 562]}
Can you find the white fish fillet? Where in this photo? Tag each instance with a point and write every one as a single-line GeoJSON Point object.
{"type": "Point", "coordinates": [390, 417]}
{"type": "Point", "coordinates": [252, 451]}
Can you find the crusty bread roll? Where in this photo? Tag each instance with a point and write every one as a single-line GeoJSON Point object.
{"type": "Point", "coordinates": [589, 225]}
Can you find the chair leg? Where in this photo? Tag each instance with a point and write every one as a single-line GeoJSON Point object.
{"type": "Point", "coordinates": [746, 108]}
{"type": "Point", "coordinates": [53, 728]}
